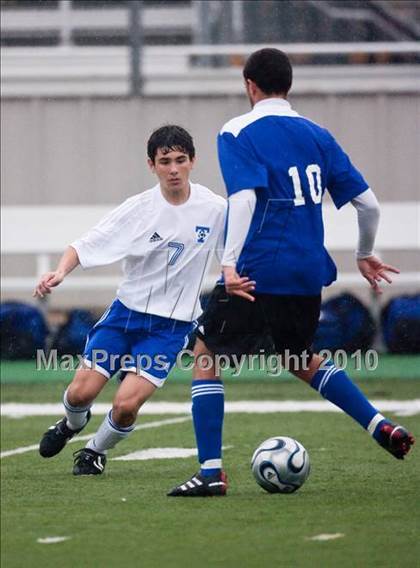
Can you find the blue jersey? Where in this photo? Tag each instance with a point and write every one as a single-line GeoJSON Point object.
{"type": "Point", "coordinates": [290, 162]}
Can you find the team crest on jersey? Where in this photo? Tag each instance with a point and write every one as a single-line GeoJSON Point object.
{"type": "Point", "coordinates": [202, 233]}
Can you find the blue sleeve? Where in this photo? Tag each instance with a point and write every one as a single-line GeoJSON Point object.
{"type": "Point", "coordinates": [240, 168]}
{"type": "Point", "coordinates": [344, 181]}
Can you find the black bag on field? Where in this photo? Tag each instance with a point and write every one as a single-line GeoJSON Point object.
{"type": "Point", "coordinates": [401, 324]}
{"type": "Point", "coordinates": [344, 323]}
{"type": "Point", "coordinates": [71, 337]}
{"type": "Point", "coordinates": [23, 330]}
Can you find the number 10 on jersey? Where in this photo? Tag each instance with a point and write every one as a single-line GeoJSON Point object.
{"type": "Point", "coordinates": [313, 173]}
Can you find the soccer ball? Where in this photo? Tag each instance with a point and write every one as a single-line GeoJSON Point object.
{"type": "Point", "coordinates": [280, 465]}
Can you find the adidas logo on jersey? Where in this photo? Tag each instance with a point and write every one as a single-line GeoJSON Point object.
{"type": "Point", "coordinates": [155, 237]}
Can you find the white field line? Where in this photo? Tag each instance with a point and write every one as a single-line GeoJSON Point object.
{"type": "Point", "coordinates": [158, 453]}
{"type": "Point", "coordinates": [325, 536]}
{"type": "Point", "coordinates": [52, 539]}
{"type": "Point", "coordinates": [155, 424]}
{"type": "Point", "coordinates": [399, 407]}
{"type": "Point", "coordinates": [21, 410]}
{"type": "Point", "coordinates": [161, 454]}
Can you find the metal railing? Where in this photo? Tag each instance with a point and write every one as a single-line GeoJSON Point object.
{"type": "Point", "coordinates": [203, 69]}
{"type": "Point", "coordinates": [66, 22]}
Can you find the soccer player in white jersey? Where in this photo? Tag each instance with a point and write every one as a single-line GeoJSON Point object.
{"type": "Point", "coordinates": [166, 237]}
{"type": "Point", "coordinates": [277, 166]}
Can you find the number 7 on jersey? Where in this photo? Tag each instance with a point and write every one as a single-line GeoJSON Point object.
{"type": "Point", "coordinates": [177, 251]}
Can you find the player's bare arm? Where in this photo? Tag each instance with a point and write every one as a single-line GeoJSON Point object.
{"type": "Point", "coordinates": [68, 262]}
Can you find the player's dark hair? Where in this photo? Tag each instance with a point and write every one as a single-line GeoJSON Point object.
{"type": "Point", "coordinates": [270, 69]}
{"type": "Point", "coordinates": [169, 138]}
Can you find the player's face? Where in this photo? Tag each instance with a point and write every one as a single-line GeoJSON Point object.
{"type": "Point", "coordinates": [173, 170]}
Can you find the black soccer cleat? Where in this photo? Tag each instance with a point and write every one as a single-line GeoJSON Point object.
{"type": "Point", "coordinates": [88, 462]}
{"type": "Point", "coordinates": [395, 439]}
{"type": "Point", "coordinates": [57, 436]}
{"type": "Point", "coordinates": [200, 486]}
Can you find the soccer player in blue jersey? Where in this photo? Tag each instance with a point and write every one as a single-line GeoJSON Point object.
{"type": "Point", "coordinates": [277, 166]}
{"type": "Point", "coordinates": [166, 237]}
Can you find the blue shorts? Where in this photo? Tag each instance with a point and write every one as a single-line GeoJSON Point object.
{"type": "Point", "coordinates": [130, 341]}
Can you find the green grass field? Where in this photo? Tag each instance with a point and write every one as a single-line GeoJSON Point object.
{"type": "Point", "coordinates": [124, 517]}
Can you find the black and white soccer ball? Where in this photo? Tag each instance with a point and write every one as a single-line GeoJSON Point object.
{"type": "Point", "coordinates": [280, 465]}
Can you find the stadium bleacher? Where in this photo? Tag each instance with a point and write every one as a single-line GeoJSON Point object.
{"type": "Point", "coordinates": [98, 22]}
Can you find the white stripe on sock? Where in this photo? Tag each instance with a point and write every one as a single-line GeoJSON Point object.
{"type": "Point", "coordinates": [322, 380]}
{"type": "Point", "coordinates": [195, 389]}
{"type": "Point", "coordinates": [374, 422]}
{"type": "Point", "coordinates": [209, 389]}
{"type": "Point", "coordinates": [212, 464]}
{"type": "Point", "coordinates": [206, 393]}
{"type": "Point", "coordinates": [206, 387]}
{"type": "Point", "coordinates": [209, 384]}
{"type": "Point", "coordinates": [325, 377]}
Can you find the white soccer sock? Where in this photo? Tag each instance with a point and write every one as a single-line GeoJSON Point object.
{"type": "Point", "coordinates": [76, 415]}
{"type": "Point", "coordinates": [108, 435]}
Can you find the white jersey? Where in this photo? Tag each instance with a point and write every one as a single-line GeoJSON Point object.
{"type": "Point", "coordinates": [167, 249]}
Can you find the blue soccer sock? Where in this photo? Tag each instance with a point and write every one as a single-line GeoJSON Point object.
{"type": "Point", "coordinates": [336, 386]}
{"type": "Point", "coordinates": [208, 410]}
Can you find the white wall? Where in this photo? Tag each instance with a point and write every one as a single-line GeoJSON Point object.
{"type": "Point", "coordinates": [93, 150]}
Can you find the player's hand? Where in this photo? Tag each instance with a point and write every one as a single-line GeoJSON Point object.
{"type": "Point", "coordinates": [374, 270]}
{"type": "Point", "coordinates": [48, 281]}
{"type": "Point", "coordinates": [238, 285]}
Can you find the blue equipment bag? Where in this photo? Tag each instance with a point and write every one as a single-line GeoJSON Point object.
{"type": "Point", "coordinates": [22, 330]}
{"type": "Point", "coordinates": [71, 337]}
{"type": "Point", "coordinates": [401, 324]}
{"type": "Point", "coordinates": [345, 323]}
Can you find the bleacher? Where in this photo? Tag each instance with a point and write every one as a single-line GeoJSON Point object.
{"type": "Point", "coordinates": [183, 22]}
{"type": "Point", "coordinates": [88, 23]}
{"type": "Point", "coordinates": [82, 47]}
